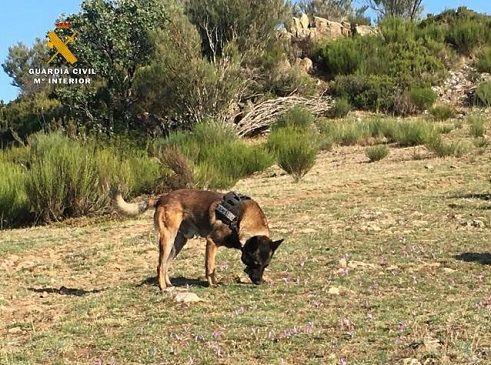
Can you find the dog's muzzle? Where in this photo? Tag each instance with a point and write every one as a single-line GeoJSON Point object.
{"type": "Point", "coordinates": [256, 280]}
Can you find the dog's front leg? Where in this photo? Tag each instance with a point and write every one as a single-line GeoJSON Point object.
{"type": "Point", "coordinates": [211, 251]}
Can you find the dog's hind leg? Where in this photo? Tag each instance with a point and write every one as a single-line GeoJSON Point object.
{"type": "Point", "coordinates": [165, 251]}
{"type": "Point", "coordinates": [168, 224]}
{"type": "Point", "coordinates": [211, 251]}
{"type": "Point", "coordinates": [179, 243]}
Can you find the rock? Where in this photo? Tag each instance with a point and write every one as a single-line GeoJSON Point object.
{"type": "Point", "coordinates": [365, 30]}
{"type": "Point", "coordinates": [478, 223]}
{"type": "Point", "coordinates": [448, 270]}
{"type": "Point", "coordinates": [410, 361]}
{"type": "Point", "coordinates": [334, 291]}
{"type": "Point", "coordinates": [307, 230]}
{"type": "Point", "coordinates": [360, 264]}
{"type": "Point", "coordinates": [304, 64]}
{"type": "Point", "coordinates": [331, 30]}
{"type": "Point", "coordinates": [187, 297]}
{"type": "Point", "coordinates": [343, 263]}
{"type": "Point", "coordinates": [304, 21]}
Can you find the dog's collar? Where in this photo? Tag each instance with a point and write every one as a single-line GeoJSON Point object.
{"type": "Point", "coordinates": [228, 209]}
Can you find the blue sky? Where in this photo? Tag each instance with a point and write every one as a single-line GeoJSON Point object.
{"type": "Point", "coordinates": [26, 20]}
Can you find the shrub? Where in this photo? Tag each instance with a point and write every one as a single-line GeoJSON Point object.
{"type": "Point", "coordinates": [387, 128]}
{"type": "Point", "coordinates": [177, 170]}
{"type": "Point", "coordinates": [443, 149]}
{"type": "Point", "coordinates": [62, 179]}
{"type": "Point", "coordinates": [71, 179]}
{"type": "Point", "coordinates": [376, 153]}
{"type": "Point", "coordinates": [404, 105]}
{"type": "Point", "coordinates": [477, 126]}
{"type": "Point", "coordinates": [423, 98]}
{"type": "Point", "coordinates": [341, 57]}
{"type": "Point", "coordinates": [397, 29]}
{"type": "Point", "coordinates": [217, 156]}
{"type": "Point", "coordinates": [340, 109]}
{"type": "Point", "coordinates": [446, 128]}
{"type": "Point", "coordinates": [345, 133]}
{"type": "Point", "coordinates": [467, 36]}
{"type": "Point", "coordinates": [414, 133]}
{"type": "Point", "coordinates": [14, 205]}
{"type": "Point", "coordinates": [412, 64]}
{"type": "Point", "coordinates": [297, 117]}
{"type": "Point", "coordinates": [483, 62]}
{"type": "Point", "coordinates": [287, 82]}
{"type": "Point", "coordinates": [375, 93]}
{"type": "Point", "coordinates": [482, 96]}
{"type": "Point", "coordinates": [295, 150]}
{"type": "Point", "coordinates": [441, 112]}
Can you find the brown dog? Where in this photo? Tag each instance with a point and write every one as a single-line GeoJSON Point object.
{"type": "Point", "coordinates": [185, 213]}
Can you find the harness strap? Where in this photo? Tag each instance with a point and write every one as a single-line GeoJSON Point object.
{"type": "Point", "coordinates": [228, 209]}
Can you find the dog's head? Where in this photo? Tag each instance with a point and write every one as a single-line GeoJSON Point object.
{"type": "Point", "coordinates": [256, 255]}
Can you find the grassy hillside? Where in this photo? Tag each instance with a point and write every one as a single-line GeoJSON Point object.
{"type": "Point", "coordinates": [383, 263]}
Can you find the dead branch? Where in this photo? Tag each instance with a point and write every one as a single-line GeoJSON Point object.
{"type": "Point", "coordinates": [263, 114]}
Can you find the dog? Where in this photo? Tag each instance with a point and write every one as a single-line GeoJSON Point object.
{"type": "Point", "coordinates": [231, 220]}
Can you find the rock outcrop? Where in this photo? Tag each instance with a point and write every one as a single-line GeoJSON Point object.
{"type": "Point", "coordinates": [320, 28]}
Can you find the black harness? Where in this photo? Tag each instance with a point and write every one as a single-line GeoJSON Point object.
{"type": "Point", "coordinates": [228, 209]}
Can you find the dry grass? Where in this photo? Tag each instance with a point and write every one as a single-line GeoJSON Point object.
{"type": "Point", "coordinates": [385, 263]}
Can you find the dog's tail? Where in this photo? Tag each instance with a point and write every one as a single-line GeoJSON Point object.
{"type": "Point", "coordinates": [132, 209]}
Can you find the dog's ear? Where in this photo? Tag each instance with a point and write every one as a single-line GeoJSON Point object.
{"type": "Point", "coordinates": [274, 245]}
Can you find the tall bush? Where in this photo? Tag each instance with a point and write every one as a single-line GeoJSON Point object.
{"type": "Point", "coordinates": [14, 205]}
{"type": "Point", "coordinates": [295, 150]}
{"type": "Point", "coordinates": [217, 156]}
{"type": "Point", "coordinates": [69, 179]}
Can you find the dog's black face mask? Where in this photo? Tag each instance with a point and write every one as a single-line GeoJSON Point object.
{"type": "Point", "coordinates": [256, 255]}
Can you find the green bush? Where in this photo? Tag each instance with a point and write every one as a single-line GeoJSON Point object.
{"type": "Point", "coordinates": [374, 93]}
{"type": "Point", "coordinates": [63, 179]}
{"type": "Point", "coordinates": [446, 128]}
{"type": "Point", "coordinates": [441, 112]}
{"type": "Point", "coordinates": [297, 117]}
{"type": "Point", "coordinates": [345, 133]}
{"type": "Point", "coordinates": [295, 150]}
{"type": "Point", "coordinates": [340, 109]}
{"type": "Point", "coordinates": [482, 96]}
{"type": "Point", "coordinates": [443, 149]}
{"type": "Point", "coordinates": [414, 133]}
{"type": "Point", "coordinates": [377, 153]}
{"type": "Point", "coordinates": [412, 64]}
{"type": "Point", "coordinates": [340, 57]}
{"type": "Point", "coordinates": [477, 125]}
{"type": "Point", "coordinates": [218, 157]}
{"type": "Point", "coordinates": [483, 62]}
{"type": "Point", "coordinates": [397, 29]}
{"type": "Point", "coordinates": [68, 178]}
{"type": "Point", "coordinates": [14, 205]}
{"type": "Point", "coordinates": [467, 36]}
{"type": "Point", "coordinates": [383, 128]}
{"type": "Point", "coordinates": [423, 98]}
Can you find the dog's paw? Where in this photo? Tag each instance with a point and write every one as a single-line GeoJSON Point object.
{"type": "Point", "coordinates": [167, 289]}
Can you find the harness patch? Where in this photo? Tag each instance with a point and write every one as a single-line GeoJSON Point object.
{"type": "Point", "coordinates": [228, 209]}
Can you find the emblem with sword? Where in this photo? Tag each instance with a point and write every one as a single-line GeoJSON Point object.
{"type": "Point", "coordinates": [61, 47]}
